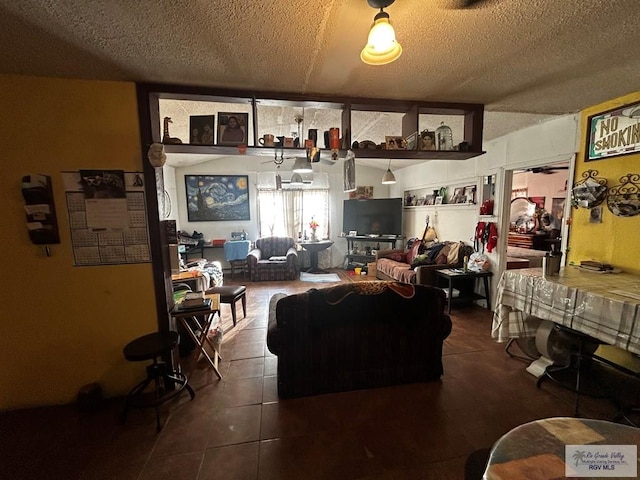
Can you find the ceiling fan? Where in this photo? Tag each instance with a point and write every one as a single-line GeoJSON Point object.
{"type": "Point", "coordinates": [547, 170]}
{"type": "Point", "coordinates": [463, 4]}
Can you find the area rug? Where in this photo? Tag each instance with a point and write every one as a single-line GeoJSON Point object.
{"type": "Point", "coordinates": [319, 277]}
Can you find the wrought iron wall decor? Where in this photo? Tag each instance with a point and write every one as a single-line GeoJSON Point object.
{"type": "Point", "coordinates": [589, 192]}
{"type": "Point", "coordinates": [623, 200]}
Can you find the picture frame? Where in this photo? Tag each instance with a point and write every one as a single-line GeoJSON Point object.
{"type": "Point", "coordinates": [458, 195]}
{"type": "Point", "coordinates": [232, 128]}
{"type": "Point", "coordinates": [217, 197]}
{"type": "Point", "coordinates": [201, 129]}
{"type": "Point", "coordinates": [470, 193]}
{"type": "Point", "coordinates": [411, 141]}
{"type": "Point", "coordinates": [395, 143]}
{"type": "Point", "coordinates": [362, 193]}
{"type": "Point", "coordinates": [427, 140]}
{"type": "Point", "coordinates": [353, 233]}
{"type": "Point", "coordinates": [438, 200]}
{"type": "Point", "coordinates": [611, 133]}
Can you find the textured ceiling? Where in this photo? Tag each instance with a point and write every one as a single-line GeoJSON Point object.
{"type": "Point", "coordinates": [539, 57]}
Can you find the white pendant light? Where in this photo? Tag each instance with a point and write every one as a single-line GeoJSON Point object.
{"type": "Point", "coordinates": [296, 180]}
{"type": "Point", "coordinates": [381, 47]}
{"type": "Point", "coordinates": [302, 166]}
{"type": "Point", "coordinates": [388, 178]}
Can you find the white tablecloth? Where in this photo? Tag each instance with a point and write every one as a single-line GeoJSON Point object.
{"type": "Point", "coordinates": [579, 299]}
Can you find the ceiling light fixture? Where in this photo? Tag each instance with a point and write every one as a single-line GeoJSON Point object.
{"type": "Point", "coordinates": [381, 47]}
{"type": "Point", "coordinates": [388, 178]}
{"type": "Point", "coordinates": [301, 165]}
{"type": "Point", "coordinates": [296, 180]}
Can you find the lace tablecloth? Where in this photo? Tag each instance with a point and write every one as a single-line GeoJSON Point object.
{"type": "Point", "coordinates": [603, 306]}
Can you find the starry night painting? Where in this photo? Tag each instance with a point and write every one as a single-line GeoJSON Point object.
{"type": "Point", "coordinates": [217, 197]}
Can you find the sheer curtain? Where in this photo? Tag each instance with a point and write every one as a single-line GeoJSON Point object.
{"type": "Point", "coordinates": [288, 212]}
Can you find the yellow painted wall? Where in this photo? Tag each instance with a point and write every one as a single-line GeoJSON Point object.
{"type": "Point", "coordinates": [617, 239]}
{"type": "Point", "coordinates": [64, 326]}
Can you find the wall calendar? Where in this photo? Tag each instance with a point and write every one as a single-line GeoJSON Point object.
{"type": "Point", "coordinates": [107, 217]}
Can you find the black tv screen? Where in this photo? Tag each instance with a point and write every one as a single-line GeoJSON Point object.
{"type": "Point", "coordinates": [379, 216]}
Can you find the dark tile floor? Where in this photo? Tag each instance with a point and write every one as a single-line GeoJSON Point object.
{"type": "Point", "coordinates": [236, 428]}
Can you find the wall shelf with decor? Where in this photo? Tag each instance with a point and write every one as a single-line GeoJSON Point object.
{"type": "Point", "coordinates": [300, 117]}
{"type": "Point", "coordinates": [448, 196]}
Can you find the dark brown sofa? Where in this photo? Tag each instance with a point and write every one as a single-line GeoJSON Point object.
{"type": "Point", "coordinates": [391, 265]}
{"type": "Point", "coordinates": [357, 335]}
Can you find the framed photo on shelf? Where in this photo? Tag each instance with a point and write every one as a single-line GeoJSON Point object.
{"type": "Point", "coordinates": [395, 143]}
{"type": "Point", "coordinates": [438, 200]}
{"type": "Point", "coordinates": [232, 128]}
{"type": "Point", "coordinates": [427, 140]}
{"type": "Point", "coordinates": [412, 141]}
{"type": "Point", "coordinates": [201, 128]}
{"type": "Point", "coordinates": [470, 193]}
{"type": "Point", "coordinates": [353, 233]}
{"type": "Point", "coordinates": [217, 197]}
{"type": "Point", "coordinates": [458, 195]}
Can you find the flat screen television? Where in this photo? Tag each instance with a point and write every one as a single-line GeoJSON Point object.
{"type": "Point", "coordinates": [378, 216]}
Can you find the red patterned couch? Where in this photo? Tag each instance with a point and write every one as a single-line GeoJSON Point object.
{"type": "Point", "coordinates": [403, 266]}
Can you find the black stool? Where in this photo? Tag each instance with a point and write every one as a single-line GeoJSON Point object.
{"type": "Point", "coordinates": [151, 347]}
{"type": "Point", "coordinates": [231, 295]}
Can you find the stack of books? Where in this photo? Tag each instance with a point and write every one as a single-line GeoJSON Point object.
{"type": "Point", "coordinates": [193, 299]}
{"type": "Point", "coordinates": [596, 266]}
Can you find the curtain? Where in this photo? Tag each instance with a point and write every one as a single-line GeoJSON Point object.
{"type": "Point", "coordinates": [289, 212]}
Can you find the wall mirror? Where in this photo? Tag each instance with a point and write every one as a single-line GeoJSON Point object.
{"type": "Point", "coordinates": [522, 215]}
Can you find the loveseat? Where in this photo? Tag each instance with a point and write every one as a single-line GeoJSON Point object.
{"type": "Point", "coordinates": [273, 258]}
{"type": "Point", "coordinates": [418, 268]}
{"type": "Point", "coordinates": [357, 335]}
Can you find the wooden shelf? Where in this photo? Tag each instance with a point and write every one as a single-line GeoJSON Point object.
{"type": "Point", "coordinates": [472, 115]}
{"type": "Point", "coordinates": [186, 148]}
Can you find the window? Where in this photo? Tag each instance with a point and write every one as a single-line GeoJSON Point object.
{"type": "Point", "coordinates": [287, 213]}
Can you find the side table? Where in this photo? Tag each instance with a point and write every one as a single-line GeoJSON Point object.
{"type": "Point", "coordinates": [313, 248]}
{"type": "Point", "coordinates": [455, 275]}
{"type": "Point", "coordinates": [202, 319]}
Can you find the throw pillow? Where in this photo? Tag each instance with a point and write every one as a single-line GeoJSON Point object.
{"type": "Point", "coordinates": [414, 251]}
{"type": "Point", "coordinates": [452, 255]}
{"type": "Point", "coordinates": [397, 256]}
{"type": "Point", "coordinates": [422, 259]}
{"type": "Point", "coordinates": [277, 259]}
{"type": "Point", "coordinates": [442, 258]}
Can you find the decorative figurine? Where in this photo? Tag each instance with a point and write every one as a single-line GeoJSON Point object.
{"type": "Point", "coordinates": [166, 138]}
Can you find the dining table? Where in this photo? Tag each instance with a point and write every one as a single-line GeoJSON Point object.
{"type": "Point", "coordinates": [605, 306]}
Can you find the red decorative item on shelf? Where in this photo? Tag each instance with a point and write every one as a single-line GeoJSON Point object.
{"type": "Point", "coordinates": [486, 208]}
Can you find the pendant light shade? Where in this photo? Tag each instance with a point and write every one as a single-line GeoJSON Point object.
{"type": "Point", "coordinates": [302, 166]}
{"type": "Point", "coordinates": [296, 180]}
{"type": "Point", "coordinates": [388, 178]}
{"type": "Point", "coordinates": [381, 47]}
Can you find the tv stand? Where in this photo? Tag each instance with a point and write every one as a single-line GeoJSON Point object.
{"type": "Point", "coordinates": [362, 258]}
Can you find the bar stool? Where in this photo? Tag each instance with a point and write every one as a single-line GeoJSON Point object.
{"type": "Point", "coordinates": [231, 295]}
{"type": "Point", "coordinates": [151, 347]}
